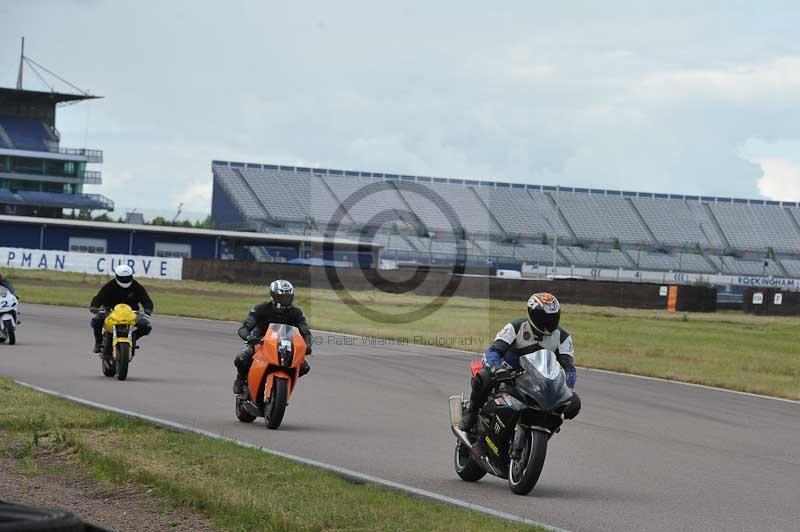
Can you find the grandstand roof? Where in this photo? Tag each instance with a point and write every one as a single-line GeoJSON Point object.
{"type": "Point", "coordinates": [238, 235]}
{"type": "Point", "coordinates": [500, 184]}
{"type": "Point", "coordinates": [9, 94]}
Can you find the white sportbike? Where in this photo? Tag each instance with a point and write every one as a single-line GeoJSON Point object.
{"type": "Point", "coordinates": [9, 312]}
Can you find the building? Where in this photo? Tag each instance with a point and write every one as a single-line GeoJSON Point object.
{"type": "Point", "coordinates": [39, 177]}
{"type": "Point", "coordinates": [163, 241]}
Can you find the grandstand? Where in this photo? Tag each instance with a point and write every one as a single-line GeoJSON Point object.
{"type": "Point", "coordinates": [508, 224]}
{"type": "Point", "coordinates": [37, 176]}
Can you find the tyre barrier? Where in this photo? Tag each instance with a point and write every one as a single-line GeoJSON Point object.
{"type": "Point", "coordinates": [18, 518]}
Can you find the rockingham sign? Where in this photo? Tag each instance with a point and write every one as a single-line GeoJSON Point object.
{"type": "Point", "coordinates": [604, 274]}
{"type": "Point", "coordinates": [91, 263]}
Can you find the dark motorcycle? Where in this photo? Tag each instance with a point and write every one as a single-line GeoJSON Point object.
{"type": "Point", "coordinates": [525, 409]}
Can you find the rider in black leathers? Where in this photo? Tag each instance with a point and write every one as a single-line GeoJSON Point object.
{"type": "Point", "coordinates": [122, 289]}
{"type": "Point", "coordinates": [278, 310]}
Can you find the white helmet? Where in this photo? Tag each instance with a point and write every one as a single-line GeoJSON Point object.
{"type": "Point", "coordinates": [124, 275]}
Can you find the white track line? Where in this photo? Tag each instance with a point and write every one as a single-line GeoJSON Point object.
{"type": "Point", "coordinates": [349, 473]}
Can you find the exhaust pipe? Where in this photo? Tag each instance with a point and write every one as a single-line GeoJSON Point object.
{"type": "Point", "coordinates": [476, 454]}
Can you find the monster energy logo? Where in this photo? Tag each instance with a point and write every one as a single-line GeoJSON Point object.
{"type": "Point", "coordinates": [492, 446]}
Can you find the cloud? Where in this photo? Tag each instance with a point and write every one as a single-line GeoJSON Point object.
{"type": "Point", "coordinates": [195, 197]}
{"type": "Point", "coordinates": [780, 180]}
{"type": "Point", "coordinates": [775, 82]}
{"type": "Point", "coordinates": [622, 96]}
{"type": "Point", "coordinates": [779, 163]}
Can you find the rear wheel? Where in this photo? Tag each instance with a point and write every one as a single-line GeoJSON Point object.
{"type": "Point", "coordinates": [524, 473]}
{"type": "Point", "coordinates": [123, 357]}
{"type": "Point", "coordinates": [273, 413]}
{"type": "Point", "coordinates": [10, 332]}
{"type": "Point", "coordinates": [241, 414]}
{"type": "Point", "coordinates": [465, 465]}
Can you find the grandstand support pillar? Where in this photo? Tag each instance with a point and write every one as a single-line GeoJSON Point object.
{"type": "Point", "coordinates": [216, 248]}
{"type": "Point", "coordinates": [41, 236]}
{"type": "Point", "coordinates": [130, 243]}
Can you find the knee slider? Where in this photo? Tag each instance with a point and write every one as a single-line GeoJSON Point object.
{"type": "Point", "coordinates": [482, 380]}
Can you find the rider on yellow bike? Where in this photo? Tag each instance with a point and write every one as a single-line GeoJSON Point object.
{"type": "Point", "coordinates": [122, 289]}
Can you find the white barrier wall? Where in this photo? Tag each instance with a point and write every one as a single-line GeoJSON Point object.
{"type": "Point", "coordinates": [602, 274]}
{"type": "Point", "coordinates": [91, 263]}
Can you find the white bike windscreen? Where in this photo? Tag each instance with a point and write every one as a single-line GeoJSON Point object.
{"type": "Point", "coordinates": [282, 330]}
{"type": "Point", "coordinates": [545, 363]}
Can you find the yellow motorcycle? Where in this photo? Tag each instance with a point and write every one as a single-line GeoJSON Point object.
{"type": "Point", "coordinates": [118, 344]}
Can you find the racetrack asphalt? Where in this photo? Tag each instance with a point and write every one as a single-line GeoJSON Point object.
{"type": "Point", "coordinates": [643, 455]}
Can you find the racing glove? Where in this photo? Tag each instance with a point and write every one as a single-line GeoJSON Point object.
{"type": "Point", "coordinates": [572, 377]}
{"type": "Point", "coordinates": [253, 339]}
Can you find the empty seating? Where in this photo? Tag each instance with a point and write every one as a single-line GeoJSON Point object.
{"type": "Point", "coordinates": [25, 134]}
{"type": "Point", "coordinates": [738, 266]}
{"type": "Point", "coordinates": [515, 211]}
{"type": "Point", "coordinates": [792, 266]}
{"type": "Point", "coordinates": [756, 227]}
{"type": "Point", "coordinates": [586, 258]}
{"type": "Point", "coordinates": [598, 217]}
{"type": "Point", "coordinates": [706, 224]}
{"type": "Point", "coordinates": [671, 221]}
{"type": "Point", "coordinates": [514, 223]}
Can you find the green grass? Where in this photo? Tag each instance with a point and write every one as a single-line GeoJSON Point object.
{"type": "Point", "coordinates": [727, 349]}
{"type": "Point", "coordinates": [237, 488]}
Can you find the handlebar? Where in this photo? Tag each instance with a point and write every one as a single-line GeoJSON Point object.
{"type": "Point", "coordinates": [506, 373]}
{"type": "Point", "coordinates": [104, 312]}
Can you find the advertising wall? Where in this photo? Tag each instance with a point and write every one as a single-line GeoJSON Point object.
{"type": "Point", "coordinates": [91, 263]}
{"type": "Point", "coordinates": [603, 274]}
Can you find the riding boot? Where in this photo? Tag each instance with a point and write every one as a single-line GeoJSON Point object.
{"type": "Point", "coordinates": [304, 368]}
{"type": "Point", "coordinates": [239, 384]}
{"type": "Point", "coordinates": [468, 418]}
{"type": "Point", "coordinates": [98, 341]}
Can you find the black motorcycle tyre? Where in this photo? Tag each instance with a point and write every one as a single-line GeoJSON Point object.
{"type": "Point", "coordinates": [533, 457]}
{"type": "Point", "coordinates": [465, 465]}
{"type": "Point", "coordinates": [273, 412]}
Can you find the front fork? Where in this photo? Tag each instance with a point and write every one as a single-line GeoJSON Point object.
{"type": "Point", "coordinates": [115, 339]}
{"type": "Point", "coordinates": [520, 435]}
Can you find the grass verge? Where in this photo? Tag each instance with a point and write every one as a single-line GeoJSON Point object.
{"type": "Point", "coordinates": [726, 349]}
{"type": "Point", "coordinates": [235, 487]}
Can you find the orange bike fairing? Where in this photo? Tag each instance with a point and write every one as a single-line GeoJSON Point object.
{"type": "Point", "coordinates": [268, 353]}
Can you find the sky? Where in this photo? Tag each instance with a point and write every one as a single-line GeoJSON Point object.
{"type": "Point", "coordinates": [679, 97]}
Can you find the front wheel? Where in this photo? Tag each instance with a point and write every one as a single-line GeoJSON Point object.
{"type": "Point", "coordinates": [465, 464]}
{"type": "Point", "coordinates": [123, 358]}
{"type": "Point", "coordinates": [524, 473]}
{"type": "Point", "coordinates": [10, 332]}
{"type": "Point", "coordinates": [273, 413]}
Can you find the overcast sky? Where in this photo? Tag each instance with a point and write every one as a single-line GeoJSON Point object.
{"type": "Point", "coordinates": [683, 97]}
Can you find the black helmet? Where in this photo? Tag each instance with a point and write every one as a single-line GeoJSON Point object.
{"type": "Point", "coordinates": [282, 293]}
{"type": "Point", "coordinates": [544, 313]}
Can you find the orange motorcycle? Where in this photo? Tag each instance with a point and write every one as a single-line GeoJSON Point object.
{"type": "Point", "coordinates": [273, 375]}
